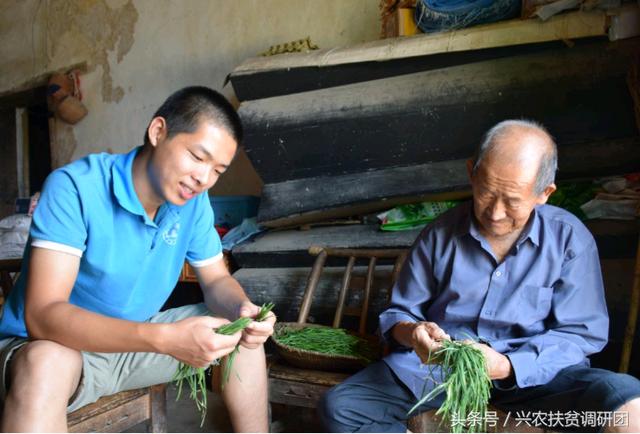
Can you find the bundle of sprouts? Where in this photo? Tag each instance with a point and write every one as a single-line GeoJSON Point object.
{"type": "Point", "coordinates": [196, 378]}
{"type": "Point", "coordinates": [467, 386]}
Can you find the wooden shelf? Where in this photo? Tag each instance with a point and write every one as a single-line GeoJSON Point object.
{"type": "Point", "coordinates": [566, 26]}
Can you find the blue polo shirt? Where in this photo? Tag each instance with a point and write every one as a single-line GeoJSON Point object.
{"type": "Point", "coordinates": [129, 263]}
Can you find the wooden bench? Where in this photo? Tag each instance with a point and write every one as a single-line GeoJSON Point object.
{"type": "Point", "coordinates": [116, 413]}
{"type": "Point", "coordinates": [121, 411]}
{"type": "Point", "coordinates": [290, 386]}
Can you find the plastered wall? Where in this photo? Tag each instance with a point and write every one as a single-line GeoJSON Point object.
{"type": "Point", "coordinates": [135, 52]}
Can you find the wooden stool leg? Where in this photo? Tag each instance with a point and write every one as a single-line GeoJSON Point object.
{"type": "Point", "coordinates": [158, 396]}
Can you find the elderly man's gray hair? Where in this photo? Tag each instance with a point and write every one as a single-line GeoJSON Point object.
{"type": "Point", "coordinates": [548, 164]}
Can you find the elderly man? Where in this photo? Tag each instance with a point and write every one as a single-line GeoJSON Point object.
{"type": "Point", "coordinates": [521, 277]}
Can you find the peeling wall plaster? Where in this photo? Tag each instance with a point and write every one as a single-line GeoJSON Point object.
{"type": "Point", "coordinates": [59, 34]}
{"type": "Point", "coordinates": [137, 52]}
{"type": "Point", "coordinates": [98, 26]}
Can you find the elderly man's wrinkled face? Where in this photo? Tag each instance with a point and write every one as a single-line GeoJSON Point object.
{"type": "Point", "coordinates": [504, 197]}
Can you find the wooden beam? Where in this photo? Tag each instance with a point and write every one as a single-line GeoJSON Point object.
{"type": "Point", "coordinates": [289, 248]}
{"type": "Point", "coordinates": [297, 197]}
{"type": "Point", "coordinates": [276, 82]}
{"type": "Point", "coordinates": [313, 199]}
{"type": "Point", "coordinates": [571, 25]}
{"type": "Point", "coordinates": [439, 115]}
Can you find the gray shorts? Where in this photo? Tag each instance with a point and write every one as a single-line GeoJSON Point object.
{"type": "Point", "coordinates": [108, 373]}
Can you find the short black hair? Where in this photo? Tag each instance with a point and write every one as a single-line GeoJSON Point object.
{"type": "Point", "coordinates": [186, 108]}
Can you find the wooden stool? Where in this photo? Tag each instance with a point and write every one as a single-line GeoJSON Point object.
{"type": "Point", "coordinates": [290, 386]}
{"type": "Point", "coordinates": [121, 411]}
{"type": "Point", "coordinates": [429, 422]}
{"type": "Point", "coordinates": [116, 413]}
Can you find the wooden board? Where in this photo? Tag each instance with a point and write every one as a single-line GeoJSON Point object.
{"type": "Point", "coordinates": [285, 288]}
{"type": "Point", "coordinates": [295, 393]}
{"type": "Point", "coordinates": [289, 248]}
{"type": "Point", "coordinates": [439, 115]}
{"type": "Point", "coordinates": [261, 77]}
{"type": "Point", "coordinates": [314, 199]}
{"type": "Point", "coordinates": [113, 413]}
{"type": "Point", "coordinates": [276, 82]}
{"type": "Point", "coordinates": [300, 387]}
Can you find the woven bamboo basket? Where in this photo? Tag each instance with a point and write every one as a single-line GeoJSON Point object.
{"type": "Point", "coordinates": [314, 359]}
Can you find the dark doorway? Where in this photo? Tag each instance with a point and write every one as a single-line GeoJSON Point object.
{"type": "Point", "coordinates": [25, 147]}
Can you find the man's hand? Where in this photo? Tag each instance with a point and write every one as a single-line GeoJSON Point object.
{"type": "Point", "coordinates": [498, 365]}
{"type": "Point", "coordinates": [426, 339]}
{"type": "Point", "coordinates": [195, 342]}
{"type": "Point", "coordinates": [256, 333]}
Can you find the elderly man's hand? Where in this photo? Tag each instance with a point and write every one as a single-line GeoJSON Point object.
{"type": "Point", "coordinates": [498, 365]}
{"type": "Point", "coordinates": [426, 339]}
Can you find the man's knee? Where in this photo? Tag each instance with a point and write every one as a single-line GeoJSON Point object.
{"type": "Point", "coordinates": [332, 410]}
{"type": "Point", "coordinates": [613, 389]}
{"type": "Point", "coordinates": [45, 362]}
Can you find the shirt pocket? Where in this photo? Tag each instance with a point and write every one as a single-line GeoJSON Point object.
{"type": "Point", "coordinates": [527, 308]}
{"type": "Point", "coordinates": [540, 297]}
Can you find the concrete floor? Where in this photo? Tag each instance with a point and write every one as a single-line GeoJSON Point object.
{"type": "Point", "coordinates": [182, 417]}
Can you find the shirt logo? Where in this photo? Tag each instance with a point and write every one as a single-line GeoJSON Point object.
{"type": "Point", "coordinates": [170, 236]}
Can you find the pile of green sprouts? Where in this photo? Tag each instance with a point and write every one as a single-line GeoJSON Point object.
{"type": "Point", "coordinates": [196, 378]}
{"type": "Point", "coordinates": [466, 383]}
{"type": "Point", "coordinates": [327, 340]}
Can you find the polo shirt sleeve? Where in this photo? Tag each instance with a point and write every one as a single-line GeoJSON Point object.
{"type": "Point", "coordinates": [413, 289]}
{"type": "Point", "coordinates": [58, 222]}
{"type": "Point", "coordinates": [205, 247]}
{"type": "Point", "coordinates": [577, 327]}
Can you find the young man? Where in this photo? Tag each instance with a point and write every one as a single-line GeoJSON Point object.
{"type": "Point", "coordinates": [521, 276]}
{"type": "Point", "coordinates": [107, 243]}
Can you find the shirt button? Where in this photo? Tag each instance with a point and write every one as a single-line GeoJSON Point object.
{"type": "Point", "coordinates": [498, 273]}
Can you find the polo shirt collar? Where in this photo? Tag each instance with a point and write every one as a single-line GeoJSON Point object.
{"type": "Point", "coordinates": [122, 178]}
{"type": "Point", "coordinates": [125, 193]}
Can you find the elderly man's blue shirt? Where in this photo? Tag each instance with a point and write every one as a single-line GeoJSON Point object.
{"type": "Point", "coordinates": [129, 264]}
{"type": "Point", "coordinates": [543, 306]}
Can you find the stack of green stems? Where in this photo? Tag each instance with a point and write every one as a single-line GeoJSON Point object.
{"type": "Point", "coordinates": [327, 340]}
{"type": "Point", "coordinates": [196, 377]}
{"type": "Point", "coordinates": [466, 383]}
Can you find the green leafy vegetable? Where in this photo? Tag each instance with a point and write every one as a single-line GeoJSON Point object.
{"type": "Point", "coordinates": [467, 385]}
{"type": "Point", "coordinates": [327, 340]}
{"type": "Point", "coordinates": [196, 377]}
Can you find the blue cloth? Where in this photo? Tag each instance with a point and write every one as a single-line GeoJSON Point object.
{"type": "Point", "coordinates": [129, 264]}
{"type": "Point", "coordinates": [442, 15]}
{"type": "Point", "coordinates": [543, 306]}
{"type": "Point", "coordinates": [247, 229]}
{"type": "Point", "coordinates": [374, 400]}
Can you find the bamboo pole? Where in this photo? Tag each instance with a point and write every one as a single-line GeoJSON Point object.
{"type": "Point", "coordinates": [632, 320]}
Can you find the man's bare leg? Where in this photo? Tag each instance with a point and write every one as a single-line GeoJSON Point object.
{"type": "Point", "coordinates": [245, 395]}
{"type": "Point", "coordinates": [43, 376]}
